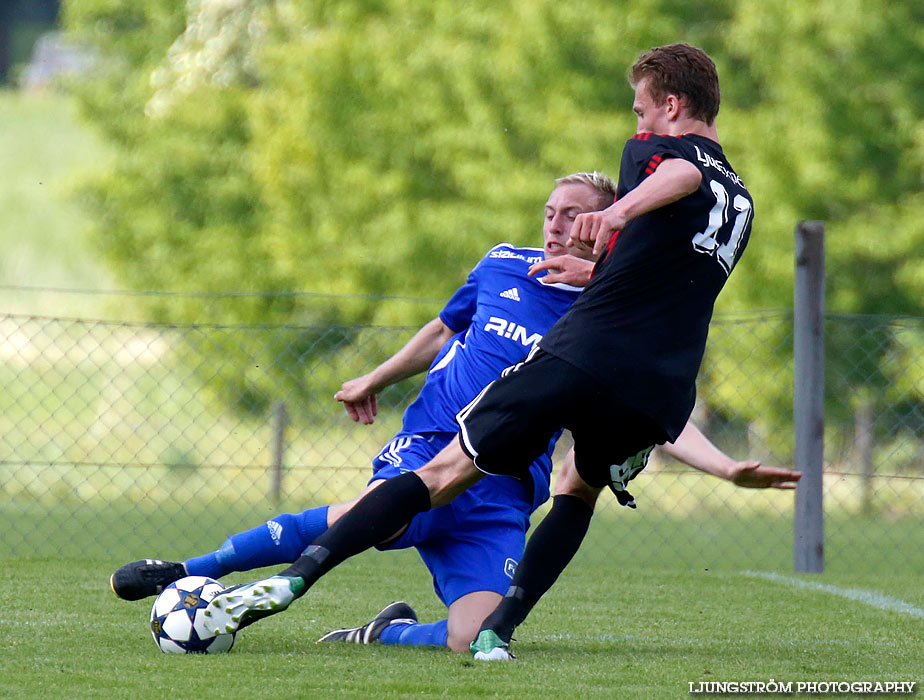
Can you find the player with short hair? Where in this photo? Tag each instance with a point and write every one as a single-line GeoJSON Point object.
{"type": "Point", "coordinates": [681, 222]}
{"type": "Point", "coordinates": [618, 369]}
{"type": "Point", "coordinates": [471, 546]}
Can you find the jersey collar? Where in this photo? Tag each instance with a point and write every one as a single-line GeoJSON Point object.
{"type": "Point", "coordinates": [560, 285]}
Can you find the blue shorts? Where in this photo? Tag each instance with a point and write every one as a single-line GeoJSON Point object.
{"type": "Point", "coordinates": [475, 542]}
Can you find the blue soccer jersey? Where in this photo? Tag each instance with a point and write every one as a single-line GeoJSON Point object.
{"type": "Point", "coordinates": [498, 315]}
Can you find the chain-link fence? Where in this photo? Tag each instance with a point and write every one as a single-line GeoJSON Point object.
{"type": "Point", "coordinates": [123, 440]}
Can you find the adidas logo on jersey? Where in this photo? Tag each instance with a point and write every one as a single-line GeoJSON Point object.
{"type": "Point", "coordinates": [511, 293]}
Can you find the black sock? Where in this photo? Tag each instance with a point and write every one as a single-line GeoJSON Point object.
{"type": "Point", "coordinates": [548, 552]}
{"type": "Point", "coordinates": [377, 516]}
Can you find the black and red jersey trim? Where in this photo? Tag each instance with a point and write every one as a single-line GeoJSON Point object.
{"type": "Point", "coordinates": [653, 164]}
{"type": "Point", "coordinates": [609, 246]}
{"type": "Point", "coordinates": [645, 135]}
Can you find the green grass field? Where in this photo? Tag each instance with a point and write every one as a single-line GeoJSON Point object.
{"type": "Point", "coordinates": [657, 599]}
{"type": "Point", "coordinates": [670, 607]}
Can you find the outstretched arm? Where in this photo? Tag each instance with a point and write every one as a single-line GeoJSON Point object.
{"type": "Point", "coordinates": [359, 395]}
{"type": "Point", "coordinates": [695, 449]}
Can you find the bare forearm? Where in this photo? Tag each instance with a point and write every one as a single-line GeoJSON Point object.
{"type": "Point", "coordinates": [415, 357]}
{"type": "Point", "coordinates": [674, 179]}
{"type": "Point", "coordinates": [695, 449]}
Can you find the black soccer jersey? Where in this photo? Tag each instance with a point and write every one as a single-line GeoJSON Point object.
{"type": "Point", "coordinates": [641, 324]}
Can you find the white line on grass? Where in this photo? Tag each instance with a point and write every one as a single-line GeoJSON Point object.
{"type": "Point", "coordinates": [676, 641]}
{"type": "Point", "coordinates": [877, 600]}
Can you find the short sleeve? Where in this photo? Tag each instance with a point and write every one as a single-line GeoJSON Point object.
{"type": "Point", "coordinates": [641, 156]}
{"type": "Point", "coordinates": [460, 309]}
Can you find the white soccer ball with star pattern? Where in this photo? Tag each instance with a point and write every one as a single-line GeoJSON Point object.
{"type": "Point", "coordinates": [178, 621]}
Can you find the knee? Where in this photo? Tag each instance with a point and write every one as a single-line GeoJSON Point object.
{"type": "Point", "coordinates": [449, 473]}
{"type": "Point", "coordinates": [466, 616]}
{"type": "Point", "coordinates": [586, 493]}
{"type": "Point", "coordinates": [570, 483]}
{"type": "Point", "coordinates": [461, 635]}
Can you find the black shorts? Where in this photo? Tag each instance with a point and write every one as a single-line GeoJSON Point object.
{"type": "Point", "coordinates": [511, 422]}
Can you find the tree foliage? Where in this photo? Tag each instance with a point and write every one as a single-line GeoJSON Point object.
{"type": "Point", "coordinates": [378, 147]}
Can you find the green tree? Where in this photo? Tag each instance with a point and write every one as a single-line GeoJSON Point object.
{"type": "Point", "coordinates": [378, 147]}
{"type": "Point", "coordinates": [827, 107]}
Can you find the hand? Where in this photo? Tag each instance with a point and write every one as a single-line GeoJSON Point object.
{"type": "Point", "coordinates": [359, 400]}
{"type": "Point", "coordinates": [564, 268]}
{"type": "Point", "coordinates": [596, 227]}
{"type": "Point", "coordinates": [754, 476]}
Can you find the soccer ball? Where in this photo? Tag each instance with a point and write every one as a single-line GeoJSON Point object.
{"type": "Point", "coordinates": [178, 622]}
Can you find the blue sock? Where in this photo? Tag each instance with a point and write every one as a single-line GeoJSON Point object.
{"type": "Point", "coordinates": [432, 634]}
{"type": "Point", "coordinates": [278, 541]}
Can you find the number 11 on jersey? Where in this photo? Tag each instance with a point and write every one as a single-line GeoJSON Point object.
{"type": "Point", "coordinates": [707, 241]}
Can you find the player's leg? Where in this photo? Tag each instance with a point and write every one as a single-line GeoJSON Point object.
{"type": "Point", "coordinates": [455, 632]}
{"type": "Point", "coordinates": [475, 564]}
{"type": "Point", "coordinates": [471, 548]}
{"type": "Point", "coordinates": [466, 616]}
{"type": "Point", "coordinates": [390, 621]}
{"type": "Point", "coordinates": [397, 624]}
{"type": "Point", "coordinates": [551, 547]}
{"type": "Point", "coordinates": [279, 540]}
{"type": "Point", "coordinates": [600, 457]}
{"type": "Point", "coordinates": [507, 426]}
{"type": "Point", "coordinates": [283, 538]}
{"type": "Point", "coordinates": [375, 518]}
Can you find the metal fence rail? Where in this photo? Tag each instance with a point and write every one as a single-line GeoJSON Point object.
{"type": "Point", "coordinates": [123, 440]}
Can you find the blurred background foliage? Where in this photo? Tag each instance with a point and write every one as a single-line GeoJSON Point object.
{"type": "Point", "coordinates": [338, 146]}
{"type": "Point", "coordinates": [379, 147]}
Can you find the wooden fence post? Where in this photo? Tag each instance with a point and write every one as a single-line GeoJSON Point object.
{"type": "Point", "coordinates": [863, 449]}
{"type": "Point", "coordinates": [280, 421]}
{"type": "Point", "coordinates": [809, 395]}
